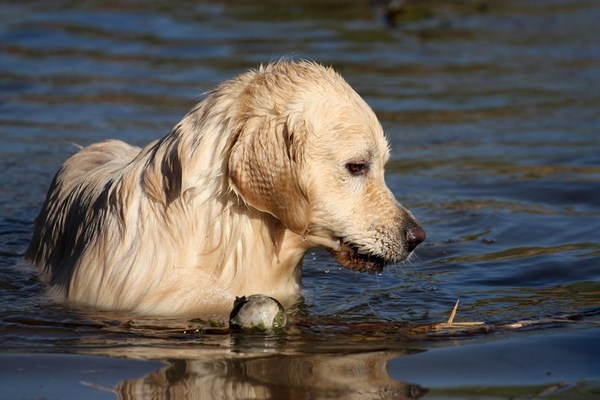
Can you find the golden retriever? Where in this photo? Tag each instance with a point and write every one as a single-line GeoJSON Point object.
{"type": "Point", "coordinates": [270, 164]}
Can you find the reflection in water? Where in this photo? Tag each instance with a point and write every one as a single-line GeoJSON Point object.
{"type": "Point", "coordinates": [336, 376]}
{"type": "Point", "coordinates": [206, 361]}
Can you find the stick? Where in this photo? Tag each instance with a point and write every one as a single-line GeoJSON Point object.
{"type": "Point", "coordinates": [453, 313]}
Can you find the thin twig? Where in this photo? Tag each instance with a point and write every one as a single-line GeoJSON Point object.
{"type": "Point", "coordinates": [457, 325]}
{"type": "Point", "coordinates": [453, 313]}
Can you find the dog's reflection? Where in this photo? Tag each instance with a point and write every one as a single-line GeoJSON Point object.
{"type": "Point", "coordinates": [332, 376]}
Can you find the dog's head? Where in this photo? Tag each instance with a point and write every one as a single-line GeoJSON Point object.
{"type": "Point", "coordinates": [309, 151]}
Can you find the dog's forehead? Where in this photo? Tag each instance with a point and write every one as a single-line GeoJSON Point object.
{"type": "Point", "coordinates": [357, 125]}
{"type": "Point", "coordinates": [347, 126]}
{"type": "Point", "coordinates": [350, 140]}
{"type": "Point", "coordinates": [363, 145]}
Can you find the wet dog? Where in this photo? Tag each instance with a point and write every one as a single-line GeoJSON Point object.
{"type": "Point", "coordinates": [270, 164]}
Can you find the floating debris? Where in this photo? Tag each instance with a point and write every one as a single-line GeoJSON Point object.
{"type": "Point", "coordinates": [457, 325]}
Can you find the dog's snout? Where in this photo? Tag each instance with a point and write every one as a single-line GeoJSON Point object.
{"type": "Point", "coordinates": [414, 235]}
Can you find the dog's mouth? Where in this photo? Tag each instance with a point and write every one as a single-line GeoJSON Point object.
{"type": "Point", "coordinates": [348, 256]}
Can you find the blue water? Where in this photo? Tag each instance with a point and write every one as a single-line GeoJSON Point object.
{"type": "Point", "coordinates": [492, 110]}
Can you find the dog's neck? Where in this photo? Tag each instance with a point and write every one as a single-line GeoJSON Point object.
{"type": "Point", "coordinates": [255, 253]}
{"type": "Point", "coordinates": [214, 241]}
{"type": "Point", "coordinates": [232, 248]}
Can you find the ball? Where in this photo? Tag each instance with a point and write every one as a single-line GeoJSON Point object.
{"type": "Point", "coordinates": [257, 312]}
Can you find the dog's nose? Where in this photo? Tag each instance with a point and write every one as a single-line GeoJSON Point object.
{"type": "Point", "coordinates": [414, 235]}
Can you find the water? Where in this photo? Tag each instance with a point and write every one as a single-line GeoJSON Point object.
{"type": "Point", "coordinates": [492, 109]}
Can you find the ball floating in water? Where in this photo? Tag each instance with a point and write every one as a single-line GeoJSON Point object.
{"type": "Point", "coordinates": [257, 312]}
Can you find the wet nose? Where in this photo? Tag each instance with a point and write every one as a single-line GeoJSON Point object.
{"type": "Point", "coordinates": [414, 235]}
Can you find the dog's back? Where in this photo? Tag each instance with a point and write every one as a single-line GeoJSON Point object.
{"type": "Point", "coordinates": [79, 193]}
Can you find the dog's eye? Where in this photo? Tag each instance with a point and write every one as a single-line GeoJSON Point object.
{"type": "Point", "coordinates": [357, 169]}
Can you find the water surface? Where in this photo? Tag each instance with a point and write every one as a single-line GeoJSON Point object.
{"type": "Point", "coordinates": [492, 110]}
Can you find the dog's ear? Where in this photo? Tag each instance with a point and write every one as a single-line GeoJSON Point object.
{"type": "Point", "coordinates": [265, 169]}
{"type": "Point", "coordinates": [163, 175]}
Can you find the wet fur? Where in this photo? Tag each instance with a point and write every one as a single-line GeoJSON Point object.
{"type": "Point", "coordinates": [226, 204]}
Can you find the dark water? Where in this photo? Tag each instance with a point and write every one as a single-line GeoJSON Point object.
{"type": "Point", "coordinates": [492, 109]}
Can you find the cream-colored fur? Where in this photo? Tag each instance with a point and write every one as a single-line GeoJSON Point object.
{"type": "Point", "coordinates": [270, 164]}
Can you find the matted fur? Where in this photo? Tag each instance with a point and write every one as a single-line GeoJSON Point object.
{"type": "Point", "coordinates": [270, 164]}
